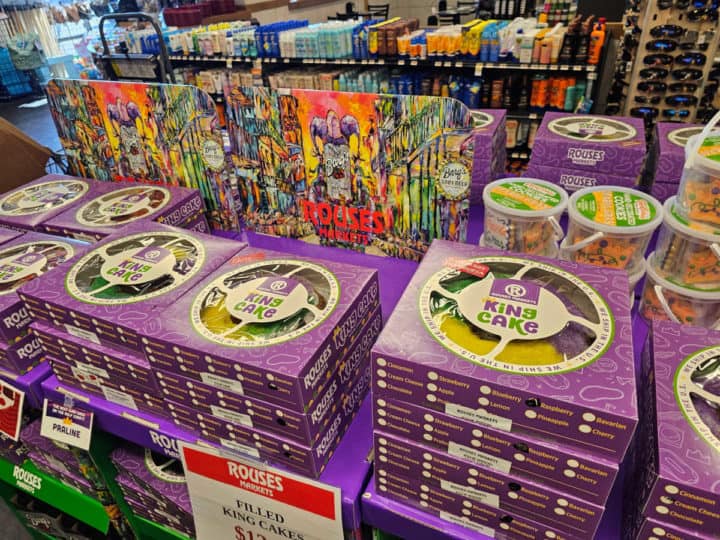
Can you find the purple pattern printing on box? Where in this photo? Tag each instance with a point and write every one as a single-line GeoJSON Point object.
{"type": "Point", "coordinates": [54, 297]}
{"type": "Point", "coordinates": [488, 150]}
{"type": "Point", "coordinates": [160, 474]}
{"type": "Point", "coordinates": [555, 466]}
{"type": "Point", "coordinates": [18, 263]}
{"type": "Point", "coordinates": [670, 154]}
{"type": "Point", "coordinates": [416, 466]}
{"type": "Point", "coordinates": [284, 369]}
{"type": "Point", "coordinates": [621, 153]}
{"type": "Point", "coordinates": [309, 461]}
{"type": "Point", "coordinates": [662, 191]}
{"type": "Point", "coordinates": [680, 471]}
{"type": "Point", "coordinates": [108, 363]}
{"type": "Point", "coordinates": [22, 355]}
{"type": "Point", "coordinates": [303, 428]}
{"type": "Point", "coordinates": [592, 408]}
{"type": "Point", "coordinates": [573, 180]}
{"type": "Point", "coordinates": [181, 205]}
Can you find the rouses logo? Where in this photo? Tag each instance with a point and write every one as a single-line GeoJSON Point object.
{"type": "Point", "coordinates": [515, 309]}
{"type": "Point", "coordinates": [343, 223]}
{"type": "Point", "coordinates": [585, 156]}
{"type": "Point", "coordinates": [697, 395]}
{"type": "Point", "coordinates": [573, 182]}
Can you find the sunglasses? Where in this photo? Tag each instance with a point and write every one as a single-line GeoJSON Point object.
{"type": "Point", "coordinates": [689, 40]}
{"type": "Point", "coordinates": [612, 109]}
{"type": "Point", "coordinates": [665, 45]}
{"type": "Point", "coordinates": [683, 87]}
{"type": "Point", "coordinates": [691, 59]}
{"type": "Point", "coordinates": [665, 4]}
{"type": "Point", "coordinates": [681, 100]}
{"type": "Point", "coordinates": [644, 112]}
{"type": "Point", "coordinates": [704, 14]}
{"type": "Point", "coordinates": [645, 100]}
{"type": "Point", "coordinates": [682, 4]}
{"type": "Point", "coordinates": [647, 86]}
{"type": "Point", "coordinates": [687, 74]}
{"type": "Point", "coordinates": [658, 59]}
{"type": "Point", "coordinates": [676, 113]}
{"type": "Point", "coordinates": [653, 74]}
{"type": "Point", "coordinates": [667, 30]}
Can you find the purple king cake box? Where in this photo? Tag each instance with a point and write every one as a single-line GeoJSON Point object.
{"type": "Point", "coordinates": [22, 260]}
{"type": "Point", "coordinates": [110, 292]}
{"type": "Point", "coordinates": [556, 466]}
{"type": "Point", "coordinates": [22, 355]}
{"type": "Point", "coordinates": [26, 207]}
{"type": "Point", "coordinates": [574, 179]}
{"type": "Point", "coordinates": [489, 137]}
{"type": "Point", "coordinates": [652, 529]}
{"type": "Point", "coordinates": [108, 363]}
{"type": "Point", "coordinates": [162, 476]}
{"type": "Point", "coordinates": [268, 325]}
{"type": "Point", "coordinates": [600, 144]}
{"type": "Point", "coordinates": [112, 205]}
{"type": "Point", "coordinates": [302, 459]}
{"type": "Point", "coordinates": [521, 344]}
{"type": "Point", "coordinates": [680, 453]}
{"type": "Point", "coordinates": [670, 146]}
{"type": "Point", "coordinates": [301, 427]}
{"type": "Point", "coordinates": [123, 393]}
{"type": "Point", "coordinates": [419, 466]}
{"type": "Point", "coordinates": [459, 509]}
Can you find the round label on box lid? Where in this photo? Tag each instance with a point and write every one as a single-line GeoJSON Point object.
{"type": "Point", "coordinates": [481, 119]}
{"type": "Point", "coordinates": [697, 392]}
{"type": "Point", "coordinates": [42, 197]}
{"type": "Point", "coordinates": [680, 136]}
{"type": "Point", "coordinates": [592, 129]}
{"type": "Point", "coordinates": [164, 468]}
{"type": "Point", "coordinates": [24, 262]}
{"type": "Point", "coordinates": [265, 303]}
{"type": "Point", "coordinates": [515, 315]}
{"type": "Point", "coordinates": [123, 206]}
{"type": "Point", "coordinates": [135, 268]}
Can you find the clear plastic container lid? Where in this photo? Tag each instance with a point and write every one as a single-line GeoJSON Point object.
{"type": "Point", "coordinates": [615, 210]}
{"type": "Point", "coordinates": [702, 151]}
{"type": "Point", "coordinates": [525, 197]}
{"type": "Point", "coordinates": [679, 224]}
{"type": "Point", "coordinates": [665, 284]}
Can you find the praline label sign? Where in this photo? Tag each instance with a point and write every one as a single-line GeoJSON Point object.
{"type": "Point", "coordinates": [265, 303]}
{"type": "Point", "coordinates": [697, 392]}
{"type": "Point", "coordinates": [485, 317]}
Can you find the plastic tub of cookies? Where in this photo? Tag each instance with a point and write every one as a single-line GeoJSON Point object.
{"type": "Point", "coordinates": [610, 226]}
{"type": "Point", "coordinates": [687, 253]}
{"type": "Point", "coordinates": [666, 301]}
{"type": "Point", "coordinates": [522, 215]}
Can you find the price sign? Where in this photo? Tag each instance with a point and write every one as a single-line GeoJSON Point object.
{"type": "Point", "coordinates": [66, 424]}
{"type": "Point", "coordinates": [238, 499]}
{"type": "Point", "coordinates": [11, 405]}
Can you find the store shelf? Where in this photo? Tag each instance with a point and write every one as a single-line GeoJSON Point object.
{"type": "Point", "coordinates": [55, 493]}
{"type": "Point", "coordinates": [29, 383]}
{"type": "Point", "coordinates": [150, 529]}
{"type": "Point", "coordinates": [347, 469]}
{"type": "Point", "coordinates": [391, 62]}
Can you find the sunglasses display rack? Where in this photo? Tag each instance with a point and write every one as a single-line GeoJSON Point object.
{"type": "Point", "coordinates": [667, 55]}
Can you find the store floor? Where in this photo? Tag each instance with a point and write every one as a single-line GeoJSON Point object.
{"type": "Point", "coordinates": [35, 122]}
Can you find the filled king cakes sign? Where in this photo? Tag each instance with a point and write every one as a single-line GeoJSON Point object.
{"type": "Point", "coordinates": [238, 499]}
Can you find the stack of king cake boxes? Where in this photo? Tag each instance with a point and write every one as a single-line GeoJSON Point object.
{"type": "Point", "coordinates": [489, 155]}
{"type": "Point", "coordinates": [675, 486]}
{"type": "Point", "coordinates": [667, 157]}
{"type": "Point", "coordinates": [89, 311]}
{"type": "Point", "coordinates": [579, 151]}
{"type": "Point", "coordinates": [504, 396]}
{"type": "Point", "coordinates": [269, 356]}
{"type": "Point", "coordinates": [24, 257]}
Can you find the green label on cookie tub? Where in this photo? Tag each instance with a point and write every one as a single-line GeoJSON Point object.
{"type": "Point", "coordinates": [616, 208]}
{"type": "Point", "coordinates": [710, 148]}
{"type": "Point", "coordinates": [528, 196]}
